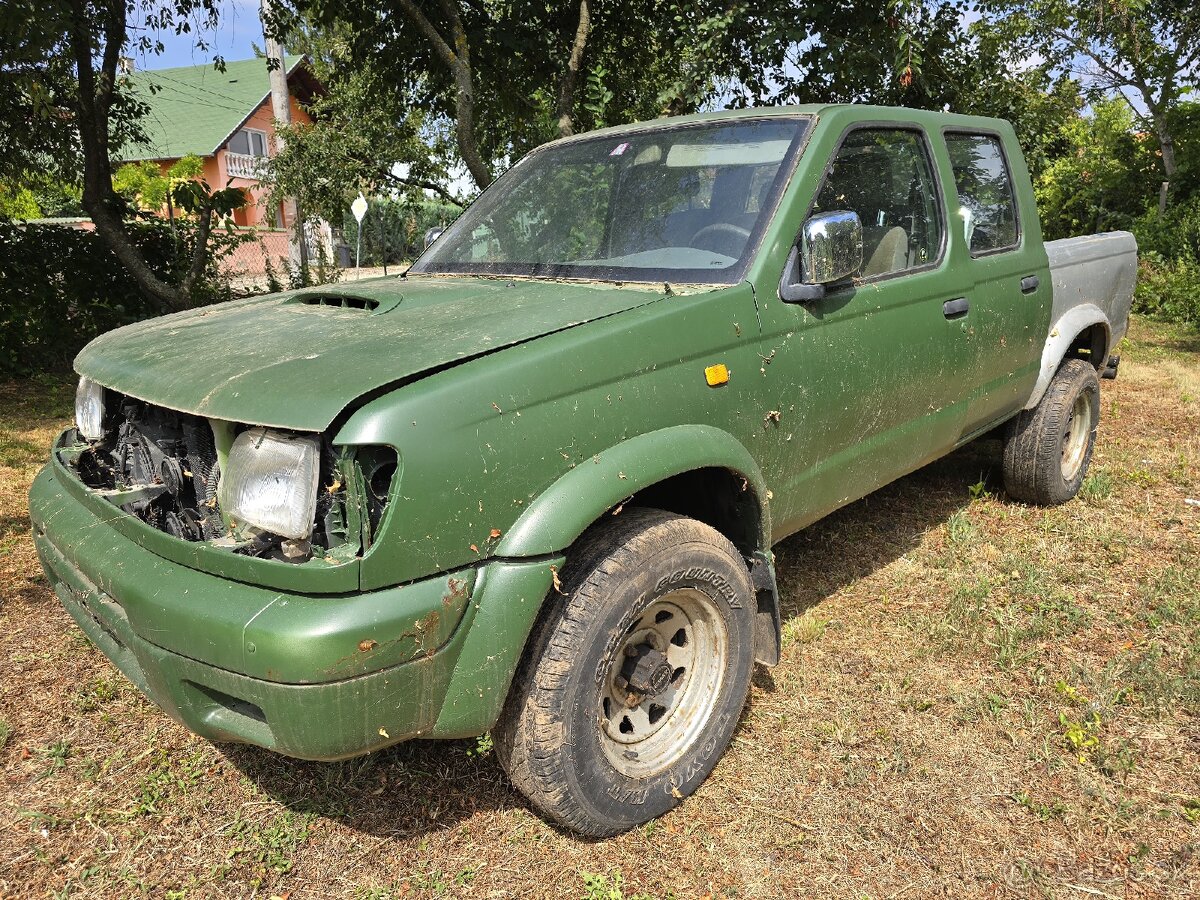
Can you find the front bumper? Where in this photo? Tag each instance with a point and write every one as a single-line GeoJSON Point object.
{"type": "Point", "coordinates": [311, 676]}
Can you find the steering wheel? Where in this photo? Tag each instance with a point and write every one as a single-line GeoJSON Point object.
{"type": "Point", "coordinates": [730, 233]}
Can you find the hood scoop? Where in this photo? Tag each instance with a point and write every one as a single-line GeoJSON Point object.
{"type": "Point", "coordinates": [347, 301]}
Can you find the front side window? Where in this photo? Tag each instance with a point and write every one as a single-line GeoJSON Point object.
{"type": "Point", "coordinates": [985, 191]}
{"type": "Point", "coordinates": [680, 203]}
{"type": "Point", "coordinates": [885, 175]}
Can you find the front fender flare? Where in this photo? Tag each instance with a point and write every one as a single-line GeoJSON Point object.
{"type": "Point", "coordinates": [564, 510]}
{"type": "Point", "coordinates": [1062, 334]}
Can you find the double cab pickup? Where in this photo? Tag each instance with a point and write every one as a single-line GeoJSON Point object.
{"type": "Point", "coordinates": [531, 486]}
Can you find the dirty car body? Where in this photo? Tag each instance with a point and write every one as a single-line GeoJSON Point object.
{"type": "Point", "coordinates": [325, 521]}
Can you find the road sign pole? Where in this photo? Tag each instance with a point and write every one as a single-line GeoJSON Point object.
{"type": "Point", "coordinates": [359, 208]}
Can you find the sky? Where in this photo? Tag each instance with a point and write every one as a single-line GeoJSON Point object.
{"type": "Point", "coordinates": [239, 29]}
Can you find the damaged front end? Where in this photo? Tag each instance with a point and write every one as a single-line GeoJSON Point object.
{"type": "Point", "coordinates": [258, 492]}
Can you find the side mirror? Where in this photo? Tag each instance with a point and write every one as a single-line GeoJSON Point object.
{"type": "Point", "coordinates": [830, 250]}
{"type": "Point", "coordinates": [432, 235]}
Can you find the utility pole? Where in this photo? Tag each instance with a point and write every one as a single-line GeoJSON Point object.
{"type": "Point", "coordinates": [281, 107]}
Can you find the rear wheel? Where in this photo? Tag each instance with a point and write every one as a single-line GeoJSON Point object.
{"type": "Point", "coordinates": [635, 677]}
{"type": "Point", "coordinates": [1047, 449]}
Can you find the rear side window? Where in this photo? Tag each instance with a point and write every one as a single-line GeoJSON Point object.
{"type": "Point", "coordinates": [985, 192]}
{"type": "Point", "coordinates": [885, 175]}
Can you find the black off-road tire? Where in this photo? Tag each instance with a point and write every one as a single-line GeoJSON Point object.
{"type": "Point", "coordinates": [1047, 449]}
{"type": "Point", "coordinates": [558, 740]}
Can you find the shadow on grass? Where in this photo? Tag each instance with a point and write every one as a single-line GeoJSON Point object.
{"type": "Point", "coordinates": [410, 789]}
{"type": "Point", "coordinates": [880, 528]}
{"type": "Point", "coordinates": [421, 786]}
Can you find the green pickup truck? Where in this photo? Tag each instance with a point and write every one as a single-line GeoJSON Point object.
{"type": "Point", "coordinates": [531, 486]}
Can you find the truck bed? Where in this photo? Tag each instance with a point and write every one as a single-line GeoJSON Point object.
{"type": "Point", "coordinates": [1099, 269]}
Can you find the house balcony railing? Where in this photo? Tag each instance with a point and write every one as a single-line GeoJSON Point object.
{"type": "Point", "coordinates": [241, 165]}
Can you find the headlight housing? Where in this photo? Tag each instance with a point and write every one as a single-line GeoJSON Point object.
{"type": "Point", "coordinates": [89, 409]}
{"type": "Point", "coordinates": [271, 482]}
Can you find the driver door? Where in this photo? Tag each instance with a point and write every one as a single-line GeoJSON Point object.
{"type": "Point", "coordinates": [863, 379]}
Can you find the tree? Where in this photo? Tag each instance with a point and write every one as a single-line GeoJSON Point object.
{"type": "Point", "coordinates": [1146, 52]}
{"type": "Point", "coordinates": [500, 79]}
{"type": "Point", "coordinates": [65, 109]}
{"type": "Point", "coordinates": [363, 125]}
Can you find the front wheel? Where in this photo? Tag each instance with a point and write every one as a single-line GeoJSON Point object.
{"type": "Point", "coordinates": [1047, 449]}
{"type": "Point", "coordinates": [635, 677]}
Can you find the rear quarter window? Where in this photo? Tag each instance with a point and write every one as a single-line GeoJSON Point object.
{"type": "Point", "coordinates": [987, 208]}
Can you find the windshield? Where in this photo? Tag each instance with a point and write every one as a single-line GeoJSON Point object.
{"type": "Point", "coordinates": [686, 203]}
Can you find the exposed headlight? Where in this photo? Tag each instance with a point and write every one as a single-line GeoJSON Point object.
{"type": "Point", "coordinates": [271, 482]}
{"type": "Point", "coordinates": [89, 409]}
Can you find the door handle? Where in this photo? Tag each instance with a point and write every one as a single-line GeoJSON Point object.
{"type": "Point", "coordinates": [954, 309]}
{"type": "Point", "coordinates": [1030, 283]}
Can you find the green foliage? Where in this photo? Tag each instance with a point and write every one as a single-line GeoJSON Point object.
{"type": "Point", "coordinates": [62, 287]}
{"type": "Point", "coordinates": [607, 887]}
{"type": "Point", "coordinates": [18, 202]}
{"type": "Point", "coordinates": [394, 230]}
{"type": "Point", "coordinates": [1168, 285]}
{"type": "Point", "coordinates": [146, 186]}
{"type": "Point", "coordinates": [1103, 176]}
{"type": "Point", "coordinates": [1175, 235]}
{"type": "Point", "coordinates": [1168, 289]}
{"type": "Point", "coordinates": [363, 125]}
{"type": "Point", "coordinates": [272, 846]}
{"type": "Point", "coordinates": [321, 270]}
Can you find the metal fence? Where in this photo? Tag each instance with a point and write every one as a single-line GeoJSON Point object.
{"type": "Point", "coordinates": [265, 253]}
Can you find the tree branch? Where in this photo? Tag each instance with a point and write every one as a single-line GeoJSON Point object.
{"type": "Point", "coordinates": [566, 90]}
{"type": "Point", "coordinates": [427, 185]}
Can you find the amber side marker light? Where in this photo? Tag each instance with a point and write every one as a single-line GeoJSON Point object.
{"type": "Point", "coordinates": [716, 375]}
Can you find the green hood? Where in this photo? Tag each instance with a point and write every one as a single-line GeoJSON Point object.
{"type": "Point", "coordinates": [292, 361]}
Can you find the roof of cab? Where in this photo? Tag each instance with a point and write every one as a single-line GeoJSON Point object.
{"type": "Point", "coordinates": [866, 112]}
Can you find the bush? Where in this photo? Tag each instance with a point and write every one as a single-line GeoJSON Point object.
{"type": "Point", "coordinates": [1176, 235]}
{"type": "Point", "coordinates": [1169, 263]}
{"type": "Point", "coordinates": [62, 287]}
{"type": "Point", "coordinates": [1168, 289]}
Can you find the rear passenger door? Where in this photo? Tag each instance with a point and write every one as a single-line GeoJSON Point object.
{"type": "Point", "coordinates": [864, 380]}
{"type": "Point", "coordinates": [1010, 299]}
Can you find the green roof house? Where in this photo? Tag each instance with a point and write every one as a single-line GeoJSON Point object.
{"type": "Point", "coordinates": [225, 118]}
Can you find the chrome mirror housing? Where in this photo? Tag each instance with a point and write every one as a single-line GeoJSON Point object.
{"type": "Point", "coordinates": [831, 247]}
{"type": "Point", "coordinates": [830, 250]}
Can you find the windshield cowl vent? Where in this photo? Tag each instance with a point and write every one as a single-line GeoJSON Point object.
{"type": "Point", "coordinates": [348, 302]}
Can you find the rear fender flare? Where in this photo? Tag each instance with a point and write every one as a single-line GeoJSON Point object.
{"type": "Point", "coordinates": [1062, 334]}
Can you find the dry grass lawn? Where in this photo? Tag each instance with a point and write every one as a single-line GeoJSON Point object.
{"type": "Point", "coordinates": [977, 699]}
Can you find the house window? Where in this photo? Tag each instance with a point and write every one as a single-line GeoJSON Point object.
{"type": "Point", "coordinates": [249, 142]}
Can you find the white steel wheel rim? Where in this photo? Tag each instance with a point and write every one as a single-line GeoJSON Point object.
{"type": "Point", "coordinates": [1076, 434]}
{"type": "Point", "coordinates": [644, 732]}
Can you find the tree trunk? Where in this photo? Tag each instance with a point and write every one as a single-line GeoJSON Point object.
{"type": "Point", "coordinates": [92, 106]}
{"type": "Point", "coordinates": [464, 127]}
{"type": "Point", "coordinates": [566, 91]}
{"type": "Point", "coordinates": [458, 61]}
{"type": "Point", "coordinates": [1166, 144]}
{"type": "Point", "coordinates": [92, 110]}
